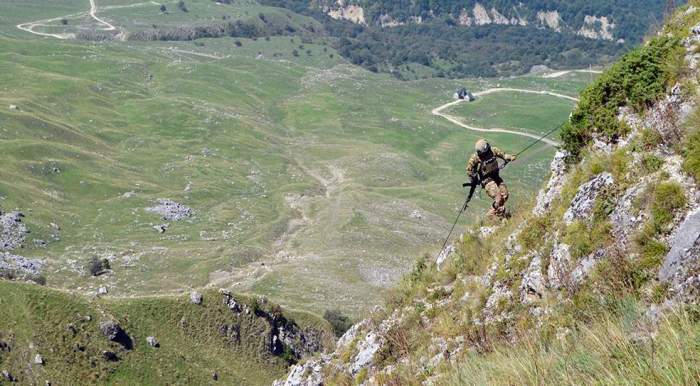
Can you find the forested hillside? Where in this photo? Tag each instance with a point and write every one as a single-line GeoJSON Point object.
{"type": "Point", "coordinates": [488, 38]}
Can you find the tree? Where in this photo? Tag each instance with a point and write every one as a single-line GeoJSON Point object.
{"type": "Point", "coordinates": [338, 321]}
{"type": "Point", "coordinates": [97, 267]}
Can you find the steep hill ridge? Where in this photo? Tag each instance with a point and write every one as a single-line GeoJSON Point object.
{"type": "Point", "coordinates": [58, 338]}
{"type": "Point", "coordinates": [599, 283]}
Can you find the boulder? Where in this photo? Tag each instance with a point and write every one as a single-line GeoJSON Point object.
{"type": "Point", "coordinates": [111, 329]}
{"type": "Point", "coordinates": [582, 205]}
{"type": "Point", "coordinates": [38, 360]}
{"type": "Point", "coordinates": [110, 356]}
{"type": "Point", "coordinates": [152, 341]}
{"type": "Point", "coordinates": [6, 375]}
{"type": "Point", "coordinates": [195, 297]}
{"type": "Point", "coordinates": [232, 304]}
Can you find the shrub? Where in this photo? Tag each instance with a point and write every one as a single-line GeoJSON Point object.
{"type": "Point", "coordinates": [38, 279]}
{"type": "Point", "coordinates": [238, 43]}
{"type": "Point", "coordinates": [649, 139]}
{"type": "Point", "coordinates": [182, 6]}
{"type": "Point", "coordinates": [295, 53]}
{"type": "Point", "coordinates": [97, 267]}
{"type": "Point", "coordinates": [163, 8]}
{"type": "Point", "coordinates": [64, 22]}
{"type": "Point", "coordinates": [651, 163]}
{"type": "Point", "coordinates": [638, 79]}
{"type": "Point", "coordinates": [338, 321]}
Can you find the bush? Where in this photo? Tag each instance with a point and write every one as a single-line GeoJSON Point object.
{"type": "Point", "coordinates": [338, 321]}
{"type": "Point", "coordinates": [238, 43]}
{"type": "Point", "coordinates": [163, 8]}
{"type": "Point", "coordinates": [181, 6]}
{"type": "Point", "coordinates": [638, 79]}
{"type": "Point", "coordinates": [38, 279]}
{"type": "Point", "coordinates": [651, 163]}
{"type": "Point", "coordinates": [97, 267]}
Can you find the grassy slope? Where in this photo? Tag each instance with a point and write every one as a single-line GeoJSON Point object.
{"type": "Point", "coordinates": [513, 110]}
{"type": "Point", "coordinates": [189, 353]}
{"type": "Point", "coordinates": [244, 134]}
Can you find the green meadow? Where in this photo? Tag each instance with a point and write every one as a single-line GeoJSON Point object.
{"type": "Point", "coordinates": [312, 181]}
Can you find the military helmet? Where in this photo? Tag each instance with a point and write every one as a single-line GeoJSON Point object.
{"type": "Point", "coordinates": [482, 147]}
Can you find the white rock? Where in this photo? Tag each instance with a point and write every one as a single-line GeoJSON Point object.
{"type": "Point", "coordinates": [152, 341]}
{"type": "Point", "coordinates": [582, 204]}
{"type": "Point", "coordinates": [557, 271]}
{"type": "Point", "coordinates": [532, 286]}
{"type": "Point", "coordinates": [195, 297]}
{"type": "Point", "coordinates": [546, 196]}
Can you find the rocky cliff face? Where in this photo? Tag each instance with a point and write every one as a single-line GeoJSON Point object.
{"type": "Point", "coordinates": [479, 14]}
{"type": "Point", "coordinates": [625, 218]}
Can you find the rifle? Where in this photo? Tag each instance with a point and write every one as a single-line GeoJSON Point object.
{"type": "Point", "coordinates": [472, 188]}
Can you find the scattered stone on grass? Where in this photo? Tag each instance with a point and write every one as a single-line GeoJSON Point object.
{"type": "Point", "coordinates": [171, 210]}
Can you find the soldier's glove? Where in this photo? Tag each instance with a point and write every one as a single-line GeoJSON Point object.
{"type": "Point", "coordinates": [511, 158]}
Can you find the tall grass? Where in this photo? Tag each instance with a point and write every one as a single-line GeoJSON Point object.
{"type": "Point", "coordinates": [612, 351]}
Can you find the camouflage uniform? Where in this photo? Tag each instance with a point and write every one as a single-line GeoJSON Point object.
{"type": "Point", "coordinates": [491, 181]}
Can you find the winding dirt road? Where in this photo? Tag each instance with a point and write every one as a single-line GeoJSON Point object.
{"type": "Point", "coordinates": [438, 111]}
{"type": "Point", "coordinates": [93, 14]}
{"type": "Point", "coordinates": [106, 26]}
{"type": "Point", "coordinates": [562, 73]}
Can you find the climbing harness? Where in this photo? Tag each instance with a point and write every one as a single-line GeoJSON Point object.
{"type": "Point", "coordinates": [476, 181]}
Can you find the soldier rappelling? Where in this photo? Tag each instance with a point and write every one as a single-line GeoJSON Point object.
{"type": "Point", "coordinates": [483, 168]}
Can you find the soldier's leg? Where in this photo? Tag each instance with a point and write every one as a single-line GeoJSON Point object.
{"type": "Point", "coordinates": [503, 194]}
{"type": "Point", "coordinates": [492, 190]}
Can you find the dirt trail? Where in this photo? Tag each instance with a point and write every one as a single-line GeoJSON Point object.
{"type": "Point", "coordinates": [29, 26]}
{"type": "Point", "coordinates": [562, 73]}
{"type": "Point", "coordinates": [438, 111]}
{"type": "Point", "coordinates": [93, 14]}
